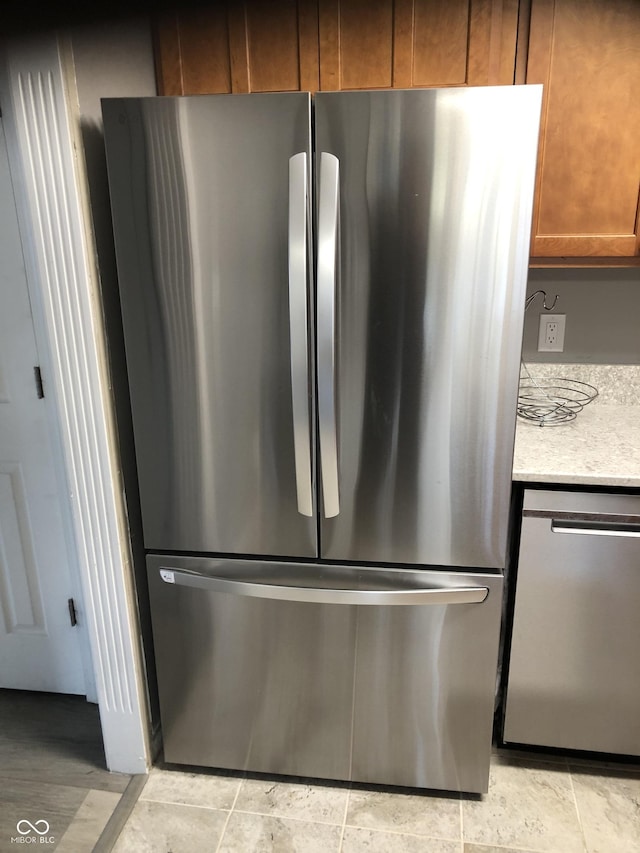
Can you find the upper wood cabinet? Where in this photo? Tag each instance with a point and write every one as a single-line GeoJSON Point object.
{"type": "Point", "coordinates": [313, 45]}
{"type": "Point", "coordinates": [587, 55]}
{"type": "Point", "coordinates": [379, 44]}
{"type": "Point", "coordinates": [238, 47]}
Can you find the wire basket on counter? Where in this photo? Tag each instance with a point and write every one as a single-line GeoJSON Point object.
{"type": "Point", "coordinates": [553, 401]}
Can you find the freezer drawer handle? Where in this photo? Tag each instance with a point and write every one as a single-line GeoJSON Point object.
{"type": "Point", "coordinates": [318, 595]}
{"type": "Point", "coordinates": [600, 528]}
{"type": "Point", "coordinates": [328, 261]}
{"type": "Point", "coordinates": [298, 328]}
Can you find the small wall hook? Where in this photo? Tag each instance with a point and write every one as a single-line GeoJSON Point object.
{"type": "Point", "coordinates": [546, 307]}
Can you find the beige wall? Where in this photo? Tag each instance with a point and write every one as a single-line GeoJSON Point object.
{"type": "Point", "coordinates": [112, 59]}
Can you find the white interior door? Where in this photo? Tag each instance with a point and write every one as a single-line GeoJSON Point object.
{"type": "Point", "coordinates": [39, 648]}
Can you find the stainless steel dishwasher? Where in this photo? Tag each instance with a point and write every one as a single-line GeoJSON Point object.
{"type": "Point", "coordinates": [574, 670]}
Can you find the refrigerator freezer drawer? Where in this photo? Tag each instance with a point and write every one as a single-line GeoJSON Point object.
{"type": "Point", "coordinates": [371, 675]}
{"type": "Point", "coordinates": [573, 674]}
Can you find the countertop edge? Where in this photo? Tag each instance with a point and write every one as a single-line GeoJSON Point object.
{"type": "Point", "coordinates": [601, 447]}
{"type": "Point", "coordinates": [576, 479]}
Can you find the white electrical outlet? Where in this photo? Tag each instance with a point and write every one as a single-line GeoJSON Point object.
{"type": "Point", "coordinates": [551, 334]}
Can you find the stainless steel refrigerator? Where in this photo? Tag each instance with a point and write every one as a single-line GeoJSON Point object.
{"type": "Point", "coordinates": [322, 301]}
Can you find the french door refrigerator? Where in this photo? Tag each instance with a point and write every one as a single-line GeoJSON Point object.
{"type": "Point", "coordinates": [322, 302]}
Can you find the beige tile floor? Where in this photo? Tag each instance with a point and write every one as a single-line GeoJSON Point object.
{"type": "Point", "coordinates": [534, 804]}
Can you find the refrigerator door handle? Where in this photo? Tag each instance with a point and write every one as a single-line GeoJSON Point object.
{"type": "Point", "coordinates": [328, 245]}
{"type": "Point", "coordinates": [319, 595]}
{"type": "Point", "coordinates": [298, 328]}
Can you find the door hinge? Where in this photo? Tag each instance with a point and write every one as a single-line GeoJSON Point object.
{"type": "Point", "coordinates": [73, 616]}
{"type": "Point", "coordinates": [39, 384]}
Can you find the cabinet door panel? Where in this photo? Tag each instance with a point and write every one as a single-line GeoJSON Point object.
{"type": "Point", "coordinates": [192, 52]}
{"type": "Point", "coordinates": [238, 47]}
{"type": "Point", "coordinates": [438, 60]}
{"type": "Point", "coordinates": [269, 46]}
{"type": "Point", "coordinates": [272, 45]}
{"type": "Point", "coordinates": [412, 43]}
{"type": "Point", "coordinates": [356, 44]}
{"type": "Point", "coordinates": [587, 55]}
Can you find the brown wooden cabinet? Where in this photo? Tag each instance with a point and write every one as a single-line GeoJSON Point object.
{"type": "Point", "coordinates": [587, 55]}
{"type": "Point", "coordinates": [238, 47]}
{"type": "Point", "coordinates": [313, 45]}
{"type": "Point", "coordinates": [380, 44]}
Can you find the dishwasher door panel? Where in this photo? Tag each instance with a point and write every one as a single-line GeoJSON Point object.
{"type": "Point", "coordinates": [574, 676]}
{"type": "Point", "coordinates": [272, 667]}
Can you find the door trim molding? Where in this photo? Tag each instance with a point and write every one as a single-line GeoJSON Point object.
{"type": "Point", "coordinates": [48, 175]}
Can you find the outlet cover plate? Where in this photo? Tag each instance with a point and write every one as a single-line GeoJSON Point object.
{"type": "Point", "coordinates": [551, 333]}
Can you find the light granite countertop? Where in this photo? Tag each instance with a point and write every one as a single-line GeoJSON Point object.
{"type": "Point", "coordinates": [601, 447]}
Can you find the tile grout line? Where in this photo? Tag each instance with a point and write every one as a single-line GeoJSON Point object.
{"type": "Point", "coordinates": [231, 810]}
{"type": "Point", "coordinates": [226, 823]}
{"type": "Point", "coordinates": [461, 827]}
{"type": "Point", "coordinates": [344, 819]}
{"type": "Point", "coordinates": [386, 831]}
{"type": "Point", "coordinates": [511, 848]}
{"type": "Point", "coordinates": [279, 816]}
{"type": "Point", "coordinates": [187, 805]}
{"type": "Point", "coordinates": [275, 815]}
{"type": "Point", "coordinates": [575, 803]}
